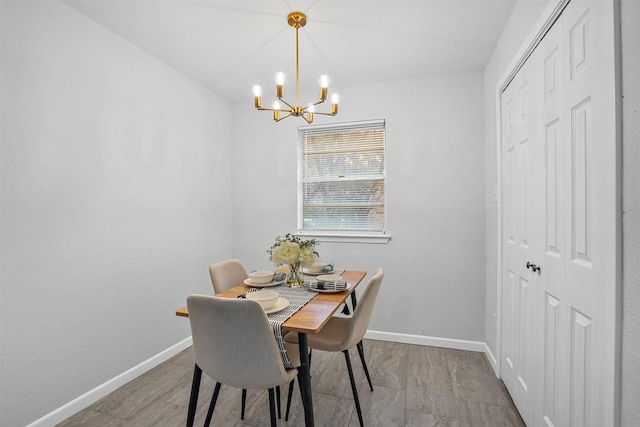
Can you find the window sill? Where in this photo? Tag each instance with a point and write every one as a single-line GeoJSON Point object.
{"type": "Point", "coordinates": [347, 238]}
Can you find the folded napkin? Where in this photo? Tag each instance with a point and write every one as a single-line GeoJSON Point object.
{"type": "Point", "coordinates": [327, 268]}
{"type": "Point", "coordinates": [279, 276]}
{"type": "Point", "coordinates": [327, 285]}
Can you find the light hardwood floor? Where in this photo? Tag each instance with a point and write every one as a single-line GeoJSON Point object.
{"type": "Point", "coordinates": [413, 386]}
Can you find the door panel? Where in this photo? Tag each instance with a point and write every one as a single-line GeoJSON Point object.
{"type": "Point", "coordinates": [580, 129]}
{"type": "Point", "coordinates": [581, 369]}
{"type": "Point", "coordinates": [551, 381]}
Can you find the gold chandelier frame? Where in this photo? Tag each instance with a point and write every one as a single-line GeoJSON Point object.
{"type": "Point", "coordinates": [296, 20]}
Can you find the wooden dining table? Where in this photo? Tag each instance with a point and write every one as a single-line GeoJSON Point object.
{"type": "Point", "coordinates": [310, 319]}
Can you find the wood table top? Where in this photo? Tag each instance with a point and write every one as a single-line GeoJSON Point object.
{"type": "Point", "coordinates": [313, 316]}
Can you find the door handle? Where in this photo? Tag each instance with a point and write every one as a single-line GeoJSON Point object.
{"type": "Point", "coordinates": [533, 267]}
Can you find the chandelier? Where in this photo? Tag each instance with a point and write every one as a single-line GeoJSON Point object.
{"type": "Point", "coordinates": [296, 20]}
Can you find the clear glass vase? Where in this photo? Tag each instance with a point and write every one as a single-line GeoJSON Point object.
{"type": "Point", "coordinates": [295, 279]}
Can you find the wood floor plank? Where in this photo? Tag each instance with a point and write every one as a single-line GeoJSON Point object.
{"type": "Point", "coordinates": [421, 419]}
{"type": "Point", "coordinates": [387, 362]}
{"type": "Point", "coordinates": [158, 413]}
{"type": "Point", "coordinates": [127, 401]}
{"type": "Point", "coordinates": [429, 390]}
{"type": "Point", "coordinates": [91, 418]}
{"type": "Point", "coordinates": [384, 407]}
{"type": "Point", "coordinates": [329, 374]}
{"type": "Point", "coordinates": [426, 355]}
{"type": "Point", "coordinates": [471, 381]}
{"type": "Point", "coordinates": [481, 414]}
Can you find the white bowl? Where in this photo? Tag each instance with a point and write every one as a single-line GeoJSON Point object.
{"type": "Point", "coordinates": [265, 297]}
{"type": "Point", "coordinates": [329, 277]}
{"type": "Point", "coordinates": [261, 277]}
{"type": "Point", "coordinates": [316, 267]}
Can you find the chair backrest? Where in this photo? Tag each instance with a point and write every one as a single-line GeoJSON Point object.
{"type": "Point", "coordinates": [233, 342]}
{"type": "Point", "coordinates": [362, 314]}
{"type": "Point", "coordinates": [227, 274]}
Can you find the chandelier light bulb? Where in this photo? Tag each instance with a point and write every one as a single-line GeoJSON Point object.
{"type": "Point", "coordinates": [257, 90]}
{"type": "Point", "coordinates": [311, 108]}
{"type": "Point", "coordinates": [280, 78]}
{"type": "Point", "coordinates": [324, 81]}
{"type": "Point", "coordinates": [276, 105]}
{"type": "Point", "coordinates": [335, 98]}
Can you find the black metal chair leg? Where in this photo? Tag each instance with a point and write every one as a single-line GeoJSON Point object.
{"type": "Point", "coordinates": [290, 394]}
{"type": "Point", "coordinates": [272, 408]}
{"type": "Point", "coordinates": [278, 400]}
{"type": "Point", "coordinates": [244, 402]}
{"type": "Point", "coordinates": [212, 405]}
{"type": "Point", "coordinates": [193, 400]}
{"type": "Point", "coordinates": [353, 386]}
{"type": "Point", "coordinates": [364, 364]}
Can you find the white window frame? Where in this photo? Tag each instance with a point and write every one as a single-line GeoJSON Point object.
{"type": "Point", "coordinates": [348, 235]}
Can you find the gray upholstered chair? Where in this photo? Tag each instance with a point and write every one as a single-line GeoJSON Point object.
{"type": "Point", "coordinates": [224, 275]}
{"type": "Point", "coordinates": [343, 333]}
{"type": "Point", "coordinates": [227, 274]}
{"type": "Point", "coordinates": [234, 344]}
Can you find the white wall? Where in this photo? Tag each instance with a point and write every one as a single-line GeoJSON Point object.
{"type": "Point", "coordinates": [113, 169]}
{"type": "Point", "coordinates": [520, 23]}
{"type": "Point", "coordinates": [630, 40]}
{"type": "Point", "coordinates": [434, 264]}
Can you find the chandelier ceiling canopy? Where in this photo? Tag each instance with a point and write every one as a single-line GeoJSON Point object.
{"type": "Point", "coordinates": [296, 20]}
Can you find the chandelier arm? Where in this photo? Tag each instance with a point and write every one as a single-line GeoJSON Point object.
{"type": "Point", "coordinates": [274, 109]}
{"type": "Point", "coordinates": [315, 103]}
{"type": "Point", "coordinates": [324, 114]}
{"type": "Point", "coordinates": [282, 118]}
{"type": "Point", "coordinates": [291, 107]}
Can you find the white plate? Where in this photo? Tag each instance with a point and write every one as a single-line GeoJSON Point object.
{"type": "Point", "coordinates": [264, 285]}
{"type": "Point", "coordinates": [329, 277]}
{"type": "Point", "coordinates": [307, 272]}
{"type": "Point", "coordinates": [329, 291]}
{"type": "Point", "coordinates": [281, 304]}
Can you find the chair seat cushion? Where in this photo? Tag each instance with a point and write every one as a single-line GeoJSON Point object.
{"type": "Point", "coordinates": [293, 352]}
{"type": "Point", "coordinates": [330, 338]}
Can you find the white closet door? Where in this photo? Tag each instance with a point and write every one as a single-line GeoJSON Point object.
{"type": "Point", "coordinates": [519, 237]}
{"type": "Point", "coordinates": [560, 214]}
{"type": "Point", "coordinates": [551, 331]}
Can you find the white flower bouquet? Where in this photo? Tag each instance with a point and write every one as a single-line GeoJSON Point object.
{"type": "Point", "coordinates": [295, 252]}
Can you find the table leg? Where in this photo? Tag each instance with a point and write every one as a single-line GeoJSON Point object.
{"type": "Point", "coordinates": [305, 380]}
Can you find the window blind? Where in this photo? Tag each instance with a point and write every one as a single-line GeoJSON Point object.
{"type": "Point", "coordinates": [341, 177]}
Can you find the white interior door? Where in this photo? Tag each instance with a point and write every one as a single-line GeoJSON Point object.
{"type": "Point", "coordinates": [519, 236]}
{"type": "Point", "coordinates": [560, 214]}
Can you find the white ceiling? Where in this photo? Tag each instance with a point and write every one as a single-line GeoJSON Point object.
{"type": "Point", "coordinates": [230, 45]}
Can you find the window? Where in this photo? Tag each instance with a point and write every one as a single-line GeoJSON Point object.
{"type": "Point", "coordinates": [341, 178]}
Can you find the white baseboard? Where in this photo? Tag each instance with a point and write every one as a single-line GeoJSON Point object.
{"type": "Point", "coordinates": [492, 360]}
{"type": "Point", "coordinates": [92, 396]}
{"type": "Point", "coordinates": [424, 340]}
